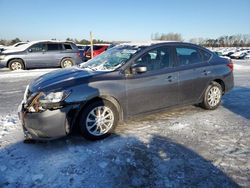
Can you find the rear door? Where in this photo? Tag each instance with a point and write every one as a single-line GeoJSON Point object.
{"type": "Point", "coordinates": [157, 87]}
{"type": "Point", "coordinates": [194, 72]}
{"type": "Point", "coordinates": [54, 53]}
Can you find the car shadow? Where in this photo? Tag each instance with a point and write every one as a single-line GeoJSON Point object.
{"type": "Point", "coordinates": [238, 101]}
{"type": "Point", "coordinates": [118, 161]}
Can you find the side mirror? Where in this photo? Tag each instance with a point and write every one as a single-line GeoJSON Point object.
{"type": "Point", "coordinates": [139, 70]}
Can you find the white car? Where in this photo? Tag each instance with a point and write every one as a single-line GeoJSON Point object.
{"type": "Point", "coordinates": [247, 56]}
{"type": "Point", "coordinates": [228, 52]}
{"type": "Point", "coordinates": [2, 47]}
{"type": "Point", "coordinates": [14, 45]}
{"type": "Point", "coordinates": [240, 54]}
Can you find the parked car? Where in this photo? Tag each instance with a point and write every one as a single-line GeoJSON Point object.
{"type": "Point", "coordinates": [83, 49]}
{"type": "Point", "coordinates": [240, 54]}
{"type": "Point", "coordinates": [221, 55]}
{"type": "Point", "coordinates": [125, 81]}
{"type": "Point", "coordinates": [228, 51]}
{"type": "Point", "coordinates": [41, 54]}
{"type": "Point", "coordinates": [247, 56]}
{"type": "Point", "coordinates": [14, 45]}
{"type": "Point", "coordinates": [97, 49]}
{"type": "Point", "coordinates": [2, 48]}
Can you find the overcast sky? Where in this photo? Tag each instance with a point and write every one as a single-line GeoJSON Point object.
{"type": "Point", "coordinates": [122, 20]}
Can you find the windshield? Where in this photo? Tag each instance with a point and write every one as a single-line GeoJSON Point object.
{"type": "Point", "coordinates": [111, 59]}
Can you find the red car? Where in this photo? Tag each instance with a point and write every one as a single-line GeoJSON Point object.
{"type": "Point", "coordinates": [97, 49]}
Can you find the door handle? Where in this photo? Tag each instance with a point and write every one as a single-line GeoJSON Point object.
{"type": "Point", "coordinates": [169, 78]}
{"type": "Point", "coordinates": [205, 72]}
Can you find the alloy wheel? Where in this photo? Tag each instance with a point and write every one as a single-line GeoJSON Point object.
{"type": "Point", "coordinates": [16, 65]}
{"type": "Point", "coordinates": [214, 96]}
{"type": "Point", "coordinates": [99, 120]}
{"type": "Point", "coordinates": [67, 63]}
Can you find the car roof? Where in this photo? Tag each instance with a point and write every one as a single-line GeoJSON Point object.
{"type": "Point", "coordinates": [29, 44]}
{"type": "Point", "coordinates": [54, 41]}
{"type": "Point", "coordinates": [151, 43]}
{"type": "Point", "coordinates": [98, 44]}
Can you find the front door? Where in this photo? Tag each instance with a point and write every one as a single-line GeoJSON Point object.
{"type": "Point", "coordinates": [157, 87]}
{"type": "Point", "coordinates": [37, 56]}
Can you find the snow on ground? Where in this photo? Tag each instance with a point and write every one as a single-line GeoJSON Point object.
{"type": "Point", "coordinates": [184, 147]}
{"type": "Point", "coordinates": [23, 73]}
{"type": "Point", "coordinates": [242, 65]}
{"type": "Point", "coordinates": [7, 123]}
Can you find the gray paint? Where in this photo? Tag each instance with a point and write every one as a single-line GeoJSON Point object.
{"type": "Point", "coordinates": [132, 94]}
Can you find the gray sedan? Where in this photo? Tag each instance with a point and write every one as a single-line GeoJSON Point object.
{"type": "Point", "coordinates": [125, 81]}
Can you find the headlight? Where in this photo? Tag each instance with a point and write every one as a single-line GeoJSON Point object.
{"type": "Point", "coordinates": [2, 57]}
{"type": "Point", "coordinates": [43, 101]}
{"type": "Point", "coordinates": [54, 97]}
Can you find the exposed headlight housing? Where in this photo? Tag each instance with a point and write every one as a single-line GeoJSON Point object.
{"type": "Point", "coordinates": [53, 97]}
{"type": "Point", "coordinates": [43, 101]}
{"type": "Point", "coordinates": [2, 57]}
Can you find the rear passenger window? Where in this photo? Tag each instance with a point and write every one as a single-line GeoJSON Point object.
{"type": "Point", "coordinates": [53, 47]}
{"type": "Point", "coordinates": [188, 55]}
{"type": "Point", "coordinates": [67, 47]}
{"type": "Point", "coordinates": [205, 55]}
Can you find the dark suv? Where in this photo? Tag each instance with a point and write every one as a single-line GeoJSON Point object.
{"type": "Point", "coordinates": [41, 54]}
{"type": "Point", "coordinates": [126, 80]}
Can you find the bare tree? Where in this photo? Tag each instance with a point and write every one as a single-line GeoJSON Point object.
{"type": "Point", "coordinates": [168, 36]}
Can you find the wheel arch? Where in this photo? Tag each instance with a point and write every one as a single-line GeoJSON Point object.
{"type": "Point", "coordinates": [8, 62]}
{"type": "Point", "coordinates": [221, 82]}
{"type": "Point", "coordinates": [111, 99]}
{"type": "Point", "coordinates": [63, 58]}
{"type": "Point", "coordinates": [217, 80]}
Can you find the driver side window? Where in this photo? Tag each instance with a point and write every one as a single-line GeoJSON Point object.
{"type": "Point", "coordinates": [37, 47]}
{"type": "Point", "coordinates": [155, 59]}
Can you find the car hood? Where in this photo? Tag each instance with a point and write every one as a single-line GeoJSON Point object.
{"type": "Point", "coordinates": [61, 79]}
{"type": "Point", "coordinates": [12, 49]}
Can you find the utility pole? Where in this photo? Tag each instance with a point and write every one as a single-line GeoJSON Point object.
{"type": "Point", "coordinates": [91, 45]}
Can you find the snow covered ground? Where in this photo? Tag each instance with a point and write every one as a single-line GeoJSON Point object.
{"type": "Point", "coordinates": [184, 147]}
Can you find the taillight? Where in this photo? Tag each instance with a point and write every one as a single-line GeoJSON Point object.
{"type": "Point", "coordinates": [230, 65]}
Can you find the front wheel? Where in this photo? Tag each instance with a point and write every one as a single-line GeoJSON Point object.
{"type": "Point", "coordinates": [212, 96]}
{"type": "Point", "coordinates": [16, 64]}
{"type": "Point", "coordinates": [98, 120]}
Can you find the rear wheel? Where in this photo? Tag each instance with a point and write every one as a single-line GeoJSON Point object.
{"type": "Point", "coordinates": [16, 64]}
{"type": "Point", "coordinates": [98, 120]}
{"type": "Point", "coordinates": [67, 62]}
{"type": "Point", "coordinates": [212, 97]}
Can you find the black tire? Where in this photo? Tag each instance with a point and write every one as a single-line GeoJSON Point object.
{"type": "Point", "coordinates": [206, 103]}
{"type": "Point", "coordinates": [16, 64]}
{"type": "Point", "coordinates": [29, 141]}
{"type": "Point", "coordinates": [67, 62]}
{"type": "Point", "coordinates": [86, 113]}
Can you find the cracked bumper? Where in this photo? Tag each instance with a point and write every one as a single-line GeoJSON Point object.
{"type": "Point", "coordinates": [46, 125]}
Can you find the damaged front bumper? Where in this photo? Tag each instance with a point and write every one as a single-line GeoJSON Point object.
{"type": "Point", "coordinates": [46, 125]}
